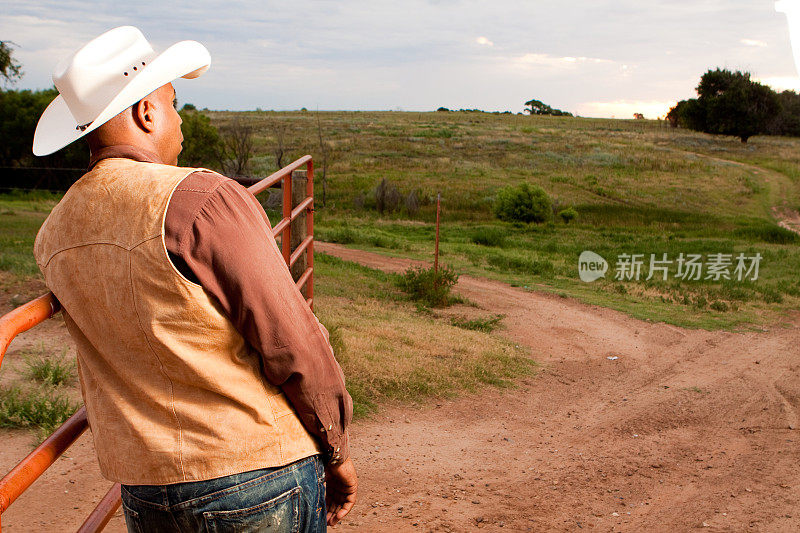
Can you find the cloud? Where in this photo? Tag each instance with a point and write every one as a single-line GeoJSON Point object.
{"type": "Point", "coordinates": [422, 54]}
{"type": "Point", "coordinates": [624, 108]}
{"type": "Point", "coordinates": [546, 60]}
{"type": "Point", "coordinates": [753, 42]}
{"type": "Point", "coordinates": [781, 83]}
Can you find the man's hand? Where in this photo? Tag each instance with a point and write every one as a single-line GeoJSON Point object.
{"type": "Point", "coordinates": [340, 491]}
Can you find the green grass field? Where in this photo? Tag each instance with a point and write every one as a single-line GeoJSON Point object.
{"type": "Point", "coordinates": [639, 188]}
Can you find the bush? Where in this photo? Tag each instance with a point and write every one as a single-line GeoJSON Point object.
{"type": "Point", "coordinates": [412, 204]}
{"type": "Point", "coordinates": [523, 203]}
{"type": "Point", "coordinates": [568, 215]}
{"type": "Point", "coordinates": [201, 141]}
{"type": "Point", "coordinates": [387, 197]}
{"type": "Point", "coordinates": [429, 287]}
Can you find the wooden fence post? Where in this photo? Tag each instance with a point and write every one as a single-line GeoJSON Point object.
{"type": "Point", "coordinates": [299, 233]}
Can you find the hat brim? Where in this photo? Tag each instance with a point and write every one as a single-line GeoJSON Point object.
{"type": "Point", "coordinates": [57, 127]}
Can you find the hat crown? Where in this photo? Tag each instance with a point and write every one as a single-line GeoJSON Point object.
{"type": "Point", "coordinates": [107, 76]}
{"type": "Point", "coordinates": [89, 79]}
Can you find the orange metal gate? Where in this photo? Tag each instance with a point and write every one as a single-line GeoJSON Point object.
{"type": "Point", "coordinates": [27, 316]}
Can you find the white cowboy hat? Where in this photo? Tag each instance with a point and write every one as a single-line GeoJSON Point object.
{"type": "Point", "coordinates": [105, 77]}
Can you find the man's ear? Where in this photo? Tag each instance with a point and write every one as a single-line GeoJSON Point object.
{"type": "Point", "coordinates": [144, 114]}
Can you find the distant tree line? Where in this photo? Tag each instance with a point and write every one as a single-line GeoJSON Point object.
{"type": "Point", "coordinates": [19, 113]}
{"type": "Point", "coordinates": [537, 107]}
{"type": "Point", "coordinates": [730, 103]}
{"type": "Point", "coordinates": [534, 107]}
{"type": "Point", "coordinates": [446, 110]}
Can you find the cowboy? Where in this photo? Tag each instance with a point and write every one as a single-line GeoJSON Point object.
{"type": "Point", "coordinates": [211, 389]}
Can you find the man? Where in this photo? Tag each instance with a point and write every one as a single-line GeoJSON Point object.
{"type": "Point", "coordinates": [210, 387]}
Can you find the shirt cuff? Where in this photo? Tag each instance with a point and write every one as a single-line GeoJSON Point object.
{"type": "Point", "coordinates": [338, 450]}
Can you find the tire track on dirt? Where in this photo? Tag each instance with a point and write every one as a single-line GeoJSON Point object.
{"type": "Point", "coordinates": [684, 429]}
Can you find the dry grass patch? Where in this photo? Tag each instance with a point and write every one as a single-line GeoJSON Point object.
{"type": "Point", "coordinates": [390, 352]}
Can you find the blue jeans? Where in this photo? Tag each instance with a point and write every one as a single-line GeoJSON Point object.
{"type": "Point", "coordinates": [285, 498]}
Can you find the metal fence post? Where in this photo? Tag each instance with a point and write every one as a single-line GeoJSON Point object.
{"type": "Point", "coordinates": [299, 229]}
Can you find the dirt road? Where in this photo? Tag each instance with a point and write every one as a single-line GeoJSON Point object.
{"type": "Point", "coordinates": [684, 429]}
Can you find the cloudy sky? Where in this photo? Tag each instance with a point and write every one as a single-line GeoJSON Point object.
{"type": "Point", "coordinates": [594, 58]}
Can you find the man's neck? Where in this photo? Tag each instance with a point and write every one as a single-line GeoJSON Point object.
{"type": "Point", "coordinates": [137, 153]}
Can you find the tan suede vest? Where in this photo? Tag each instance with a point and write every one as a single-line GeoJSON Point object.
{"type": "Point", "coordinates": [172, 390]}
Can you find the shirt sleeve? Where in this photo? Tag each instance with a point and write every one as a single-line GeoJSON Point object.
{"type": "Point", "coordinates": [218, 231]}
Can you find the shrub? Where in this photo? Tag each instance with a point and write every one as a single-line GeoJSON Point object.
{"type": "Point", "coordinates": [387, 197]}
{"type": "Point", "coordinates": [719, 306]}
{"type": "Point", "coordinates": [429, 287]}
{"type": "Point", "coordinates": [412, 203]}
{"type": "Point", "coordinates": [202, 145]}
{"type": "Point", "coordinates": [523, 203]}
{"type": "Point", "coordinates": [568, 215]}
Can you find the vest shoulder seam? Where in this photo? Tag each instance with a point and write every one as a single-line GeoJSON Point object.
{"type": "Point", "coordinates": [91, 243]}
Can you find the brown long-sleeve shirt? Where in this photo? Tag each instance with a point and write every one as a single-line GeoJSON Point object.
{"type": "Point", "coordinates": [218, 235]}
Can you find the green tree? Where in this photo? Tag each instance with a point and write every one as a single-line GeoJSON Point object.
{"type": "Point", "coordinates": [202, 146]}
{"type": "Point", "coordinates": [19, 113]}
{"type": "Point", "coordinates": [729, 103]}
{"type": "Point", "coordinates": [10, 70]}
{"type": "Point", "coordinates": [537, 107]}
{"type": "Point", "coordinates": [788, 121]}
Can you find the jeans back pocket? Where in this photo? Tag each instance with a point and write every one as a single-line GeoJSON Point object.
{"type": "Point", "coordinates": [278, 514]}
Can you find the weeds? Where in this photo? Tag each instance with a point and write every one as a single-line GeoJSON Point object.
{"type": "Point", "coordinates": [41, 408]}
{"type": "Point", "coordinates": [336, 339]}
{"type": "Point", "coordinates": [489, 236]}
{"type": "Point", "coordinates": [487, 325]}
{"type": "Point", "coordinates": [50, 370]}
{"type": "Point", "coordinates": [521, 264]}
{"type": "Point", "coordinates": [429, 287]}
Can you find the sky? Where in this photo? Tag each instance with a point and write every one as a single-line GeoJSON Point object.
{"type": "Point", "coordinates": [594, 58]}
